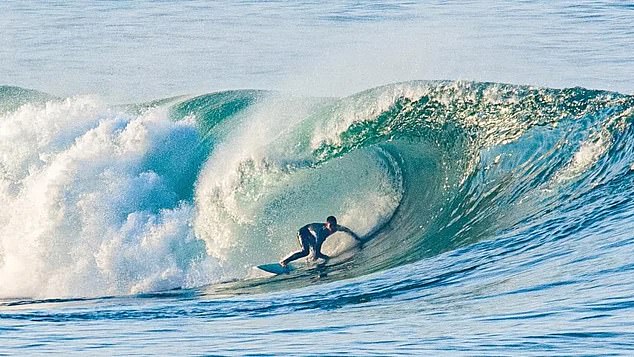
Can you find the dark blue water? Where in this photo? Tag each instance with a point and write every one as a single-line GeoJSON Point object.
{"type": "Point", "coordinates": [498, 215]}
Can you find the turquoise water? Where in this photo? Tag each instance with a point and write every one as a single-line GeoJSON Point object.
{"type": "Point", "coordinates": [142, 184]}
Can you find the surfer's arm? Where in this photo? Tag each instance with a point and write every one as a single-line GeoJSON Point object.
{"type": "Point", "coordinates": [349, 231]}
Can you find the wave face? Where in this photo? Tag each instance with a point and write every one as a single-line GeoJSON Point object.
{"type": "Point", "coordinates": [184, 192]}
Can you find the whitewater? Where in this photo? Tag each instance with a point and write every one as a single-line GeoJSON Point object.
{"type": "Point", "coordinates": [498, 214]}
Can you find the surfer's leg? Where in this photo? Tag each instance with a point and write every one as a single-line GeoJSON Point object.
{"type": "Point", "coordinates": [318, 253]}
{"type": "Point", "coordinates": [305, 244]}
{"type": "Point", "coordinates": [294, 256]}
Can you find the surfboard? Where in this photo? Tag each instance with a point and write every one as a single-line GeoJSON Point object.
{"type": "Point", "coordinates": [276, 268]}
{"type": "Point", "coordinates": [346, 254]}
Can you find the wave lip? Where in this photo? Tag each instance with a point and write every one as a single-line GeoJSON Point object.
{"type": "Point", "coordinates": [12, 98]}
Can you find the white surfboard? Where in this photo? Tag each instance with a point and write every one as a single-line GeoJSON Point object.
{"type": "Point", "coordinates": [276, 268]}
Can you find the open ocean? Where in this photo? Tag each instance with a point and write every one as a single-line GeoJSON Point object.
{"type": "Point", "coordinates": [152, 153]}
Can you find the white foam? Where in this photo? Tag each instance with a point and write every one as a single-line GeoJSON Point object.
{"type": "Point", "coordinates": [589, 153]}
{"type": "Point", "coordinates": [84, 214]}
{"type": "Point", "coordinates": [91, 208]}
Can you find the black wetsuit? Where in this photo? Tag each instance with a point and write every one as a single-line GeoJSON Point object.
{"type": "Point", "coordinates": [310, 236]}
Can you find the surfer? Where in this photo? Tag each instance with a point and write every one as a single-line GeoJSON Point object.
{"type": "Point", "coordinates": [313, 236]}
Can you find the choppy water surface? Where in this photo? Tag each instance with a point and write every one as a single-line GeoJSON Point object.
{"type": "Point", "coordinates": [498, 215]}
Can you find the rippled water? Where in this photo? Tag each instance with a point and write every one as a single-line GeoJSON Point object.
{"type": "Point", "coordinates": [144, 50]}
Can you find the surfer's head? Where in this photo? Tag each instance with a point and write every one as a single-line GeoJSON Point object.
{"type": "Point", "coordinates": [331, 222]}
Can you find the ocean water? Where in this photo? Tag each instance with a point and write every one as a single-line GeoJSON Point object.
{"type": "Point", "coordinates": [153, 153]}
